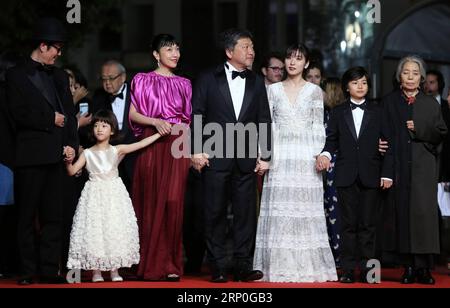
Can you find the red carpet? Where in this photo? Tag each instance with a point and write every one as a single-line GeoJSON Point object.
{"type": "Point", "coordinates": [390, 278]}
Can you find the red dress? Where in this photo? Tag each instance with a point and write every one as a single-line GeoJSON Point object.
{"type": "Point", "coordinates": [160, 179]}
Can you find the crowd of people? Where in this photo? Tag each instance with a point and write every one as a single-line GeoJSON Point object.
{"type": "Point", "coordinates": [91, 182]}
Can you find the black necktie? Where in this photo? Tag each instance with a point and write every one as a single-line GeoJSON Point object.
{"type": "Point", "coordinates": [361, 106]}
{"type": "Point", "coordinates": [235, 74]}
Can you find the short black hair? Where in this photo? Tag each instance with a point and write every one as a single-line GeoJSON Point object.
{"type": "Point", "coordinates": [440, 79]}
{"type": "Point", "coordinates": [229, 38]}
{"type": "Point", "coordinates": [164, 40]}
{"type": "Point", "coordinates": [301, 48]}
{"type": "Point", "coordinates": [353, 74]}
{"type": "Point", "coordinates": [106, 116]}
{"type": "Point", "coordinates": [313, 65]}
{"type": "Point", "coordinates": [272, 55]}
{"type": "Point", "coordinates": [78, 76]}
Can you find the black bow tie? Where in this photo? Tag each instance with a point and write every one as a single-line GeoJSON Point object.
{"type": "Point", "coordinates": [235, 74]}
{"type": "Point", "coordinates": [113, 97]}
{"type": "Point", "coordinates": [362, 106]}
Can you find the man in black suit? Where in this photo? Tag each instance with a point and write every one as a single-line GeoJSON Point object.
{"type": "Point", "coordinates": [41, 106]}
{"type": "Point", "coordinates": [355, 128]}
{"type": "Point", "coordinates": [115, 97]}
{"type": "Point", "coordinates": [231, 94]}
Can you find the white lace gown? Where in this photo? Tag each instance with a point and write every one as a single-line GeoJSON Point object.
{"type": "Point", "coordinates": [292, 241]}
{"type": "Point", "coordinates": [104, 232]}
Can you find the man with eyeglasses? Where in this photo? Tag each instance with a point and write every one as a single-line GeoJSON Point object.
{"type": "Point", "coordinates": [115, 96]}
{"type": "Point", "coordinates": [40, 102]}
{"type": "Point", "coordinates": [273, 69]}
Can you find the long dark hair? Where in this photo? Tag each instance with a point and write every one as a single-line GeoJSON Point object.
{"type": "Point", "coordinates": [301, 48]}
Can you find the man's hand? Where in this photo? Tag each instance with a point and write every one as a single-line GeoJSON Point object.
{"type": "Point", "coordinates": [323, 163]}
{"type": "Point", "coordinates": [386, 184]}
{"type": "Point", "coordinates": [84, 120]}
{"type": "Point", "coordinates": [410, 125]}
{"type": "Point", "coordinates": [69, 154]}
{"type": "Point", "coordinates": [199, 161]}
{"type": "Point", "coordinates": [262, 167]}
{"type": "Point", "coordinates": [60, 119]}
{"type": "Point", "coordinates": [79, 94]}
{"type": "Point", "coordinates": [383, 146]}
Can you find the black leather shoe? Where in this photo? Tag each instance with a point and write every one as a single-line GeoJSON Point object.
{"type": "Point", "coordinates": [409, 276]}
{"type": "Point", "coordinates": [248, 275]}
{"type": "Point", "coordinates": [347, 277]}
{"type": "Point", "coordinates": [52, 280]}
{"type": "Point", "coordinates": [219, 277]}
{"type": "Point", "coordinates": [424, 277]}
{"type": "Point", "coordinates": [25, 281]}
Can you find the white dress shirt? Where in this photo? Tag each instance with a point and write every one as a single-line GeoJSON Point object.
{"type": "Point", "coordinates": [358, 115]}
{"type": "Point", "coordinates": [237, 88]}
{"type": "Point", "coordinates": [438, 98]}
{"type": "Point", "coordinates": [118, 106]}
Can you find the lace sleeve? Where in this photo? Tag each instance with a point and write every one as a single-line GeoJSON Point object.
{"type": "Point", "coordinates": [318, 128]}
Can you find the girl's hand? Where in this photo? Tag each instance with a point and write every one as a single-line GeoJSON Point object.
{"type": "Point", "coordinates": [164, 128]}
{"type": "Point", "coordinates": [410, 125]}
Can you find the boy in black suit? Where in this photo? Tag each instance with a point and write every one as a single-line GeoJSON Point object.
{"type": "Point", "coordinates": [355, 128]}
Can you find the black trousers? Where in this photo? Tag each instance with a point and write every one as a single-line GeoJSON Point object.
{"type": "Point", "coordinates": [39, 199]}
{"type": "Point", "coordinates": [358, 209]}
{"type": "Point", "coordinates": [193, 224]}
{"type": "Point", "coordinates": [417, 261]}
{"type": "Point", "coordinates": [218, 188]}
{"type": "Point", "coordinates": [8, 240]}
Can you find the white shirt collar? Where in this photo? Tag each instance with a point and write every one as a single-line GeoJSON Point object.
{"type": "Point", "coordinates": [230, 68]}
{"type": "Point", "coordinates": [122, 90]}
{"type": "Point", "coordinates": [356, 103]}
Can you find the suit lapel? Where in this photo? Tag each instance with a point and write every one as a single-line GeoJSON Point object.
{"type": "Point", "coordinates": [37, 82]}
{"type": "Point", "coordinates": [248, 96]}
{"type": "Point", "coordinates": [126, 111]}
{"type": "Point", "coordinates": [225, 90]}
{"type": "Point", "coordinates": [366, 119]}
{"type": "Point", "coordinates": [349, 119]}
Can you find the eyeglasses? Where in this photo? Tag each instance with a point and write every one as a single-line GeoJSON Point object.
{"type": "Point", "coordinates": [277, 69]}
{"type": "Point", "coordinates": [110, 79]}
{"type": "Point", "coordinates": [58, 48]}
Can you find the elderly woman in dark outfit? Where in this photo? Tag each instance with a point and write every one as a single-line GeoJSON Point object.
{"type": "Point", "coordinates": [417, 130]}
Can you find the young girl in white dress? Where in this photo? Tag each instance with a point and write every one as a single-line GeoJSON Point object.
{"type": "Point", "coordinates": [104, 233]}
{"type": "Point", "coordinates": [292, 241]}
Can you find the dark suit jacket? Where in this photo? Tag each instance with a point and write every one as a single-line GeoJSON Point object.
{"type": "Point", "coordinates": [101, 100]}
{"type": "Point", "coordinates": [359, 157]}
{"type": "Point", "coordinates": [212, 103]}
{"type": "Point", "coordinates": [444, 168]}
{"type": "Point", "coordinates": [38, 140]}
{"type": "Point", "coordinates": [7, 131]}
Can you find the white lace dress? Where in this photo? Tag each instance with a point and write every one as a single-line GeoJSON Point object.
{"type": "Point", "coordinates": [104, 232]}
{"type": "Point", "coordinates": [292, 241]}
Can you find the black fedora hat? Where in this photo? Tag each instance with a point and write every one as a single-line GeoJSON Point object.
{"type": "Point", "coordinates": [49, 30]}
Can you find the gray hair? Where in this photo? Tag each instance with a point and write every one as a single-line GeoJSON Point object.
{"type": "Point", "coordinates": [415, 59]}
{"type": "Point", "coordinates": [119, 65]}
